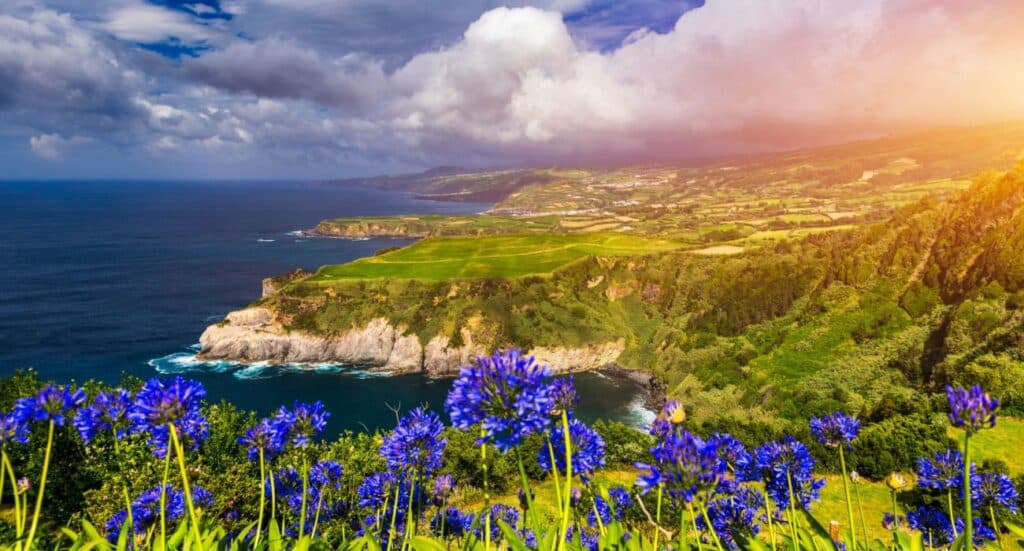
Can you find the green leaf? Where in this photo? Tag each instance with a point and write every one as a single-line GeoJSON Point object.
{"type": "Point", "coordinates": [1014, 529]}
{"type": "Point", "coordinates": [424, 543]}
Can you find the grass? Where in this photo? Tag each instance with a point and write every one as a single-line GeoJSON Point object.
{"type": "Point", "coordinates": [490, 257]}
{"type": "Point", "coordinates": [1004, 443]}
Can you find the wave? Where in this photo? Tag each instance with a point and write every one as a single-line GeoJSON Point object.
{"type": "Point", "coordinates": [296, 233]}
{"type": "Point", "coordinates": [262, 240]}
{"type": "Point", "coordinates": [639, 415]}
{"type": "Point", "coordinates": [179, 363]}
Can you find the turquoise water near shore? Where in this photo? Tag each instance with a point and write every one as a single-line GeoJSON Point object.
{"type": "Point", "coordinates": [103, 278]}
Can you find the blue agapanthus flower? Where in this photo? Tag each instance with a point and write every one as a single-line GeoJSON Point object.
{"type": "Point", "coordinates": [176, 402]}
{"type": "Point", "coordinates": [52, 403]}
{"type": "Point", "coordinates": [326, 474]}
{"type": "Point", "coordinates": [499, 512]}
{"type": "Point", "coordinates": [266, 435]}
{"type": "Point", "coordinates": [620, 501]}
{"type": "Point", "coordinates": [108, 412]}
{"type": "Point", "coordinates": [787, 461]}
{"type": "Point", "coordinates": [685, 464]}
{"type": "Point", "coordinates": [732, 455]}
{"type": "Point", "coordinates": [587, 539]}
{"type": "Point", "coordinates": [735, 516]}
{"type": "Point", "coordinates": [564, 392]}
{"type": "Point", "coordinates": [302, 422]}
{"type": "Point", "coordinates": [376, 489]}
{"type": "Point", "coordinates": [444, 485]}
{"type": "Point", "coordinates": [933, 524]}
{"type": "Point", "coordinates": [983, 533]}
{"type": "Point", "coordinates": [451, 523]}
{"type": "Point", "coordinates": [971, 409]}
{"type": "Point", "coordinates": [416, 444]}
{"type": "Point", "coordinates": [12, 430]}
{"type": "Point", "coordinates": [587, 449]}
{"type": "Point", "coordinates": [943, 472]}
{"type": "Point", "coordinates": [837, 429]}
{"type": "Point", "coordinates": [511, 396]}
{"type": "Point", "coordinates": [994, 490]}
{"type": "Point", "coordinates": [146, 509]}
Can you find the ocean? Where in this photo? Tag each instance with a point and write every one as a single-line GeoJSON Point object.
{"type": "Point", "coordinates": [101, 278]}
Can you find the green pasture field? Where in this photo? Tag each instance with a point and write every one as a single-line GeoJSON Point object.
{"type": "Point", "coordinates": [489, 257]}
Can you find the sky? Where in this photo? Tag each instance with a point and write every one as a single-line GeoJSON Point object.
{"type": "Point", "coordinates": [337, 88]}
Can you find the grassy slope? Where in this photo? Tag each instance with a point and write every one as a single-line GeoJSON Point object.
{"type": "Point", "coordinates": [489, 257]}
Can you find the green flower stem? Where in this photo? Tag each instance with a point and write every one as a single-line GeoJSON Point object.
{"type": "Point", "coordinates": [487, 494]}
{"type": "Point", "coordinates": [263, 500]}
{"type": "Point", "coordinates": [711, 527]}
{"type": "Point", "coordinates": [180, 452]}
{"type": "Point", "coordinates": [305, 487]}
{"type": "Point", "coordinates": [273, 498]}
{"type": "Point", "coordinates": [968, 512]}
{"type": "Point", "coordinates": [657, 515]}
{"type": "Point", "coordinates": [124, 481]}
{"type": "Point", "coordinates": [849, 502]}
{"type": "Point", "coordinates": [952, 516]}
{"type": "Point", "coordinates": [554, 471]}
{"type": "Point", "coordinates": [526, 489]}
{"type": "Point", "coordinates": [768, 515]}
{"type": "Point", "coordinates": [19, 516]}
{"type": "Point", "coordinates": [410, 521]}
{"type": "Point", "coordinates": [597, 515]}
{"type": "Point", "coordinates": [860, 510]}
{"type": "Point", "coordinates": [42, 488]}
{"type": "Point", "coordinates": [682, 528]}
{"type": "Point", "coordinates": [163, 499]}
{"type": "Point", "coordinates": [394, 517]}
{"type": "Point", "coordinates": [316, 515]}
{"type": "Point", "coordinates": [564, 527]}
{"type": "Point", "coordinates": [792, 509]}
{"type": "Point", "coordinates": [895, 518]}
{"type": "Point", "coordinates": [995, 526]}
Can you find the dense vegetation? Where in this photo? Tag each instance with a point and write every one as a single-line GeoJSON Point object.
{"type": "Point", "coordinates": [152, 466]}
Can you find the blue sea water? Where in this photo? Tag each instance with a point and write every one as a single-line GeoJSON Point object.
{"type": "Point", "coordinates": [103, 278]}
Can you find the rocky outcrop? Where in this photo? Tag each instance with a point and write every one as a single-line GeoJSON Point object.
{"type": "Point", "coordinates": [363, 229]}
{"type": "Point", "coordinates": [255, 335]}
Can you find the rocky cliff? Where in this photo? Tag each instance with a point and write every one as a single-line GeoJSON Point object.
{"type": "Point", "coordinates": [361, 229]}
{"type": "Point", "coordinates": [254, 335]}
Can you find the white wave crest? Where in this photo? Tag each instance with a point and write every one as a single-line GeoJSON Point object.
{"type": "Point", "coordinates": [186, 362]}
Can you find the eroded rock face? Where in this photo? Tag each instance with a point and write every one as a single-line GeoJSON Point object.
{"type": "Point", "coordinates": [254, 335]}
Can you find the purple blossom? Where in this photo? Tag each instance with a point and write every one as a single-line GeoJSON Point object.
{"type": "Point", "coordinates": [12, 430]}
{"type": "Point", "coordinates": [781, 462]}
{"type": "Point", "coordinates": [376, 489]}
{"type": "Point", "coordinates": [944, 472]}
{"type": "Point", "coordinates": [302, 422]}
{"type": "Point", "coordinates": [511, 396]}
{"type": "Point", "coordinates": [587, 449]}
{"type": "Point", "coordinates": [735, 516]}
{"type": "Point", "coordinates": [266, 435]}
{"type": "Point", "coordinates": [994, 490]}
{"type": "Point", "coordinates": [933, 524]}
{"type": "Point", "coordinates": [146, 509]}
{"type": "Point", "coordinates": [684, 464]}
{"type": "Point", "coordinates": [444, 485]}
{"type": "Point", "coordinates": [971, 409]}
{"type": "Point", "coordinates": [52, 403]}
{"type": "Point", "coordinates": [416, 444]}
{"type": "Point", "coordinates": [620, 501]}
{"type": "Point", "coordinates": [108, 412]}
{"type": "Point", "coordinates": [499, 512]}
{"type": "Point", "coordinates": [835, 430]}
{"type": "Point", "coordinates": [451, 523]}
{"type": "Point", "coordinates": [159, 405]}
{"type": "Point", "coordinates": [564, 392]}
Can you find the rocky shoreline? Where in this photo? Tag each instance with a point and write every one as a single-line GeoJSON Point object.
{"type": "Point", "coordinates": [254, 334]}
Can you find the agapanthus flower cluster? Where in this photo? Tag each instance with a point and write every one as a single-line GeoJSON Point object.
{"type": "Point", "coordinates": [786, 462]}
{"type": "Point", "coordinates": [994, 490]}
{"type": "Point", "coordinates": [444, 485]}
{"type": "Point", "coordinates": [267, 436]}
{"type": "Point", "coordinates": [943, 472]}
{"type": "Point", "coordinates": [971, 409]}
{"type": "Point", "coordinates": [933, 524]}
{"type": "Point", "coordinates": [416, 445]}
{"type": "Point", "coordinates": [302, 423]}
{"type": "Point", "coordinates": [587, 540]}
{"type": "Point", "coordinates": [52, 403]}
{"type": "Point", "coordinates": [146, 509]}
{"type": "Point", "coordinates": [732, 455]}
{"type": "Point", "coordinates": [510, 395]}
{"type": "Point", "coordinates": [499, 512]}
{"type": "Point", "coordinates": [735, 516]}
{"type": "Point", "coordinates": [451, 523]}
{"type": "Point", "coordinates": [685, 464]}
{"type": "Point", "coordinates": [564, 393]}
{"type": "Point", "coordinates": [620, 500]}
{"type": "Point", "coordinates": [835, 430]}
{"type": "Point", "coordinates": [12, 430]}
{"type": "Point", "coordinates": [107, 413]}
{"type": "Point", "coordinates": [375, 490]}
{"type": "Point", "coordinates": [669, 419]}
{"type": "Point", "coordinates": [159, 404]}
{"type": "Point", "coordinates": [587, 449]}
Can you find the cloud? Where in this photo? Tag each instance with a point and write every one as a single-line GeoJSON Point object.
{"type": "Point", "coordinates": [147, 23]}
{"type": "Point", "coordinates": [50, 146]}
{"type": "Point", "coordinates": [278, 68]}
